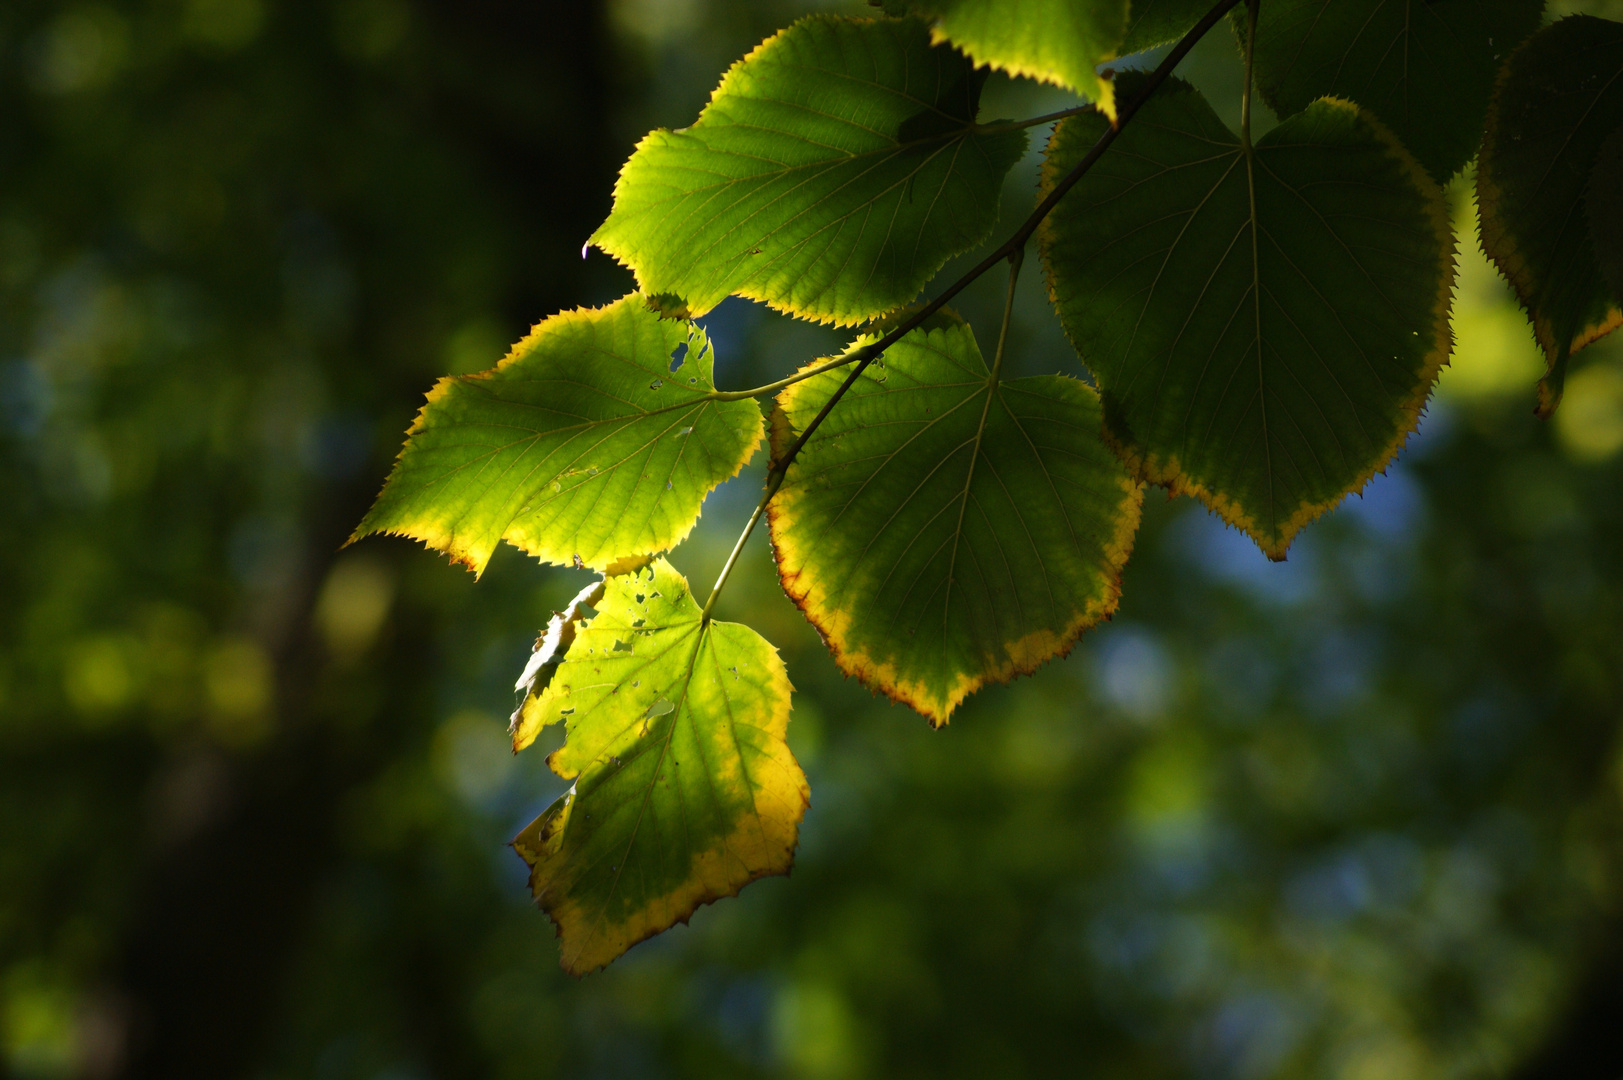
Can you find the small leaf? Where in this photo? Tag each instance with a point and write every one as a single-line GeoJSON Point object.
{"type": "Point", "coordinates": [836, 168]}
{"type": "Point", "coordinates": [572, 449]}
{"type": "Point", "coordinates": [1057, 41]}
{"type": "Point", "coordinates": [685, 789]}
{"type": "Point", "coordinates": [1603, 201]}
{"type": "Point", "coordinates": [1267, 360]}
{"type": "Point", "coordinates": [1156, 22]}
{"type": "Point", "coordinates": [1558, 97]}
{"type": "Point", "coordinates": [944, 530]}
{"type": "Point", "coordinates": [1424, 69]}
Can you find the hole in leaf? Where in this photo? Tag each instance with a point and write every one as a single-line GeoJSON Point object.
{"type": "Point", "coordinates": [621, 646]}
{"type": "Point", "coordinates": [679, 354]}
{"type": "Point", "coordinates": [659, 708]}
{"type": "Point", "coordinates": [656, 384]}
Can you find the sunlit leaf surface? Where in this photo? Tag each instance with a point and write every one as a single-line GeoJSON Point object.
{"type": "Point", "coordinates": [944, 530]}
{"type": "Point", "coordinates": [1058, 41]}
{"type": "Point", "coordinates": [595, 440]}
{"type": "Point", "coordinates": [1425, 68]}
{"type": "Point", "coordinates": [685, 790]}
{"type": "Point", "coordinates": [1559, 97]}
{"type": "Point", "coordinates": [835, 169]}
{"type": "Point", "coordinates": [1267, 360]}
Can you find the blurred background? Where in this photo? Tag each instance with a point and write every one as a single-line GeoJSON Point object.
{"type": "Point", "coordinates": [1356, 816]}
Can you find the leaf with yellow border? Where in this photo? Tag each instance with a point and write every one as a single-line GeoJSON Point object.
{"type": "Point", "coordinates": [944, 529]}
{"type": "Point", "coordinates": [1265, 325]}
{"type": "Point", "coordinates": [685, 790]}
{"type": "Point", "coordinates": [595, 440]}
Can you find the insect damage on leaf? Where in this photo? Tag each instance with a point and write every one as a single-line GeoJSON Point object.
{"type": "Point", "coordinates": [685, 790]}
{"type": "Point", "coordinates": [1264, 327]}
{"type": "Point", "coordinates": [835, 169]}
{"type": "Point", "coordinates": [943, 529]}
{"type": "Point", "coordinates": [579, 448]}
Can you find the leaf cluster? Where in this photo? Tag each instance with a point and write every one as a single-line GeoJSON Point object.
{"type": "Point", "coordinates": [1260, 322]}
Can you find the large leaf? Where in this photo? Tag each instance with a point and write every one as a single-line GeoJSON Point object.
{"type": "Point", "coordinates": [596, 439]}
{"type": "Point", "coordinates": [944, 529]}
{"type": "Point", "coordinates": [1156, 22]}
{"type": "Point", "coordinates": [836, 168]}
{"type": "Point", "coordinates": [685, 790]}
{"type": "Point", "coordinates": [1425, 68]}
{"type": "Point", "coordinates": [1603, 202]}
{"type": "Point", "coordinates": [1264, 327]}
{"type": "Point", "coordinates": [1558, 99]}
{"type": "Point", "coordinates": [1057, 41]}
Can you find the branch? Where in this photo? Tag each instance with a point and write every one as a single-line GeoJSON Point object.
{"type": "Point", "coordinates": [1013, 248]}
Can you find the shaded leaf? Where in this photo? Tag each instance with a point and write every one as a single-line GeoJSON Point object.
{"type": "Point", "coordinates": [1603, 201]}
{"type": "Point", "coordinates": [1425, 68]}
{"type": "Point", "coordinates": [685, 790]}
{"type": "Point", "coordinates": [1559, 96]}
{"type": "Point", "coordinates": [836, 168]}
{"type": "Point", "coordinates": [944, 530]}
{"type": "Point", "coordinates": [1156, 22]}
{"type": "Point", "coordinates": [1268, 365]}
{"type": "Point", "coordinates": [596, 439]}
{"type": "Point", "coordinates": [551, 647]}
{"type": "Point", "coordinates": [1057, 41]}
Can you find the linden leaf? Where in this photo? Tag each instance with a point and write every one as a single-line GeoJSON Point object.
{"type": "Point", "coordinates": [1057, 41]}
{"type": "Point", "coordinates": [1425, 69]}
{"type": "Point", "coordinates": [836, 168]}
{"type": "Point", "coordinates": [596, 439]}
{"type": "Point", "coordinates": [1559, 97]}
{"type": "Point", "coordinates": [1264, 327]}
{"type": "Point", "coordinates": [943, 529]}
{"type": "Point", "coordinates": [1156, 22]}
{"type": "Point", "coordinates": [1603, 201]}
{"type": "Point", "coordinates": [685, 790]}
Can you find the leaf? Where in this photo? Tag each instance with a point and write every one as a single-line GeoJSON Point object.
{"type": "Point", "coordinates": [943, 529]}
{"type": "Point", "coordinates": [836, 168]}
{"type": "Point", "coordinates": [1603, 201]}
{"type": "Point", "coordinates": [1559, 96]}
{"type": "Point", "coordinates": [596, 439]}
{"type": "Point", "coordinates": [1056, 41]}
{"type": "Point", "coordinates": [1156, 22]}
{"type": "Point", "coordinates": [685, 790]}
{"type": "Point", "coordinates": [1271, 363]}
{"type": "Point", "coordinates": [1425, 68]}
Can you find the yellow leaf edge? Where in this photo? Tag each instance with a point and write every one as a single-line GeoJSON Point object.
{"type": "Point", "coordinates": [1024, 655]}
{"type": "Point", "coordinates": [1168, 472]}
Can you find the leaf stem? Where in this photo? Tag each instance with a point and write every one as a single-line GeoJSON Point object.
{"type": "Point", "coordinates": [1016, 243]}
{"type": "Point", "coordinates": [1016, 257]}
{"type": "Point", "coordinates": [1250, 59]}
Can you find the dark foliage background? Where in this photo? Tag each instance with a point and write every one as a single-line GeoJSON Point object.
{"type": "Point", "coordinates": [1356, 816]}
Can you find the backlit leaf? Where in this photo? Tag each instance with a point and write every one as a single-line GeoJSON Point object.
{"type": "Point", "coordinates": [1057, 41]}
{"type": "Point", "coordinates": [944, 530]}
{"type": "Point", "coordinates": [1425, 68]}
{"type": "Point", "coordinates": [1557, 100]}
{"type": "Point", "coordinates": [1267, 364]}
{"type": "Point", "coordinates": [836, 168]}
{"type": "Point", "coordinates": [685, 790]}
{"type": "Point", "coordinates": [1156, 22]}
{"type": "Point", "coordinates": [596, 439]}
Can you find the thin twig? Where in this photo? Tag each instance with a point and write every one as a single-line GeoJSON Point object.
{"type": "Point", "coordinates": [1008, 249]}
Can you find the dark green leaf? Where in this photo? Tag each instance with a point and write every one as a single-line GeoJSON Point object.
{"type": "Point", "coordinates": [944, 529]}
{"type": "Point", "coordinates": [1425, 68]}
{"type": "Point", "coordinates": [1603, 201]}
{"type": "Point", "coordinates": [685, 790]}
{"type": "Point", "coordinates": [1558, 98]}
{"type": "Point", "coordinates": [589, 443]}
{"type": "Point", "coordinates": [836, 168]}
{"type": "Point", "coordinates": [1266, 350]}
{"type": "Point", "coordinates": [1156, 22]}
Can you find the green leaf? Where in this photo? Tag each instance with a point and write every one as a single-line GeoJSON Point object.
{"type": "Point", "coordinates": [1268, 361]}
{"type": "Point", "coordinates": [944, 529]}
{"type": "Point", "coordinates": [1156, 22]}
{"type": "Point", "coordinates": [594, 441]}
{"type": "Point", "coordinates": [836, 168]}
{"type": "Point", "coordinates": [1603, 201]}
{"type": "Point", "coordinates": [1559, 96]}
{"type": "Point", "coordinates": [1057, 41]}
{"type": "Point", "coordinates": [685, 790]}
{"type": "Point", "coordinates": [1425, 68]}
